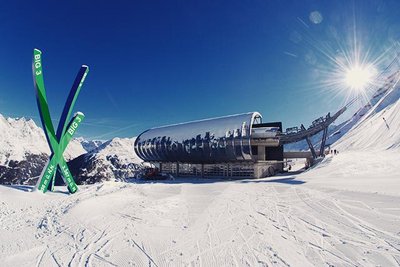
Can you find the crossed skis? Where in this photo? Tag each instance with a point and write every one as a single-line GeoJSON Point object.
{"type": "Point", "coordinates": [57, 141]}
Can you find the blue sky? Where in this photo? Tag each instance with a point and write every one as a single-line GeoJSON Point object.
{"type": "Point", "coordinates": [160, 62]}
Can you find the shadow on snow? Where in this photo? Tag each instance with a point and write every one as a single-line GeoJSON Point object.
{"type": "Point", "coordinates": [284, 180]}
{"type": "Point", "coordinates": [25, 188]}
{"type": "Point", "coordinates": [195, 180]}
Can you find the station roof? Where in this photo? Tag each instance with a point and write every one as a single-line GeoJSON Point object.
{"type": "Point", "coordinates": [221, 139]}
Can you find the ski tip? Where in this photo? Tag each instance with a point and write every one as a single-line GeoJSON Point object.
{"type": "Point", "coordinates": [79, 113]}
{"type": "Point", "coordinates": [85, 66]}
{"type": "Point", "coordinates": [37, 51]}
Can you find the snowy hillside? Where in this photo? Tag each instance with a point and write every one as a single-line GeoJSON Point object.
{"type": "Point", "coordinates": [113, 160]}
{"type": "Point", "coordinates": [379, 132]}
{"type": "Point", "coordinates": [21, 137]}
{"type": "Point", "coordinates": [343, 212]}
{"type": "Point", "coordinates": [379, 128]}
{"type": "Point", "coordinates": [24, 151]}
{"type": "Point", "coordinates": [122, 147]}
{"type": "Point", "coordinates": [89, 145]}
{"type": "Point", "coordinates": [383, 97]}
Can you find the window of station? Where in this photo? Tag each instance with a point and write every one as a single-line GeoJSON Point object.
{"type": "Point", "coordinates": [254, 150]}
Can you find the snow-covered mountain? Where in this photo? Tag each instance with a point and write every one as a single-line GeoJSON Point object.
{"type": "Point", "coordinates": [113, 160]}
{"type": "Point", "coordinates": [90, 145]}
{"type": "Point", "coordinates": [384, 97]}
{"type": "Point", "coordinates": [342, 212]}
{"type": "Point", "coordinates": [24, 150]}
{"type": "Point", "coordinates": [21, 137]}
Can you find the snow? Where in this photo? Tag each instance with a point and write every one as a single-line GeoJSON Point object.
{"type": "Point", "coordinates": [380, 132]}
{"type": "Point", "coordinates": [385, 96]}
{"type": "Point", "coordinates": [73, 150]}
{"type": "Point", "coordinates": [113, 160]}
{"type": "Point", "coordinates": [343, 212]}
{"type": "Point", "coordinates": [322, 217]}
{"type": "Point", "coordinates": [19, 137]}
{"type": "Point", "coordinates": [89, 145]}
{"type": "Point", "coordinates": [123, 147]}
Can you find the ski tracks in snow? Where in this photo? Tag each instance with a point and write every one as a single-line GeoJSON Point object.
{"type": "Point", "coordinates": [347, 239]}
{"type": "Point", "coordinates": [230, 223]}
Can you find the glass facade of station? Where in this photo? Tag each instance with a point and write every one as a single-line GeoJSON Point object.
{"type": "Point", "coordinates": [224, 139]}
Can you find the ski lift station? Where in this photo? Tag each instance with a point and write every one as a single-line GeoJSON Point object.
{"type": "Point", "coordinates": [232, 146]}
{"type": "Point", "coordinates": [238, 145]}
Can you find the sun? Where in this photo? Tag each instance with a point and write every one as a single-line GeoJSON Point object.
{"type": "Point", "coordinates": [359, 77]}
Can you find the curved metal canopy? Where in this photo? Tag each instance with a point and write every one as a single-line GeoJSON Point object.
{"type": "Point", "coordinates": [222, 139]}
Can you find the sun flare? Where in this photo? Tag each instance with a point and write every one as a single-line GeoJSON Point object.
{"type": "Point", "coordinates": [359, 77]}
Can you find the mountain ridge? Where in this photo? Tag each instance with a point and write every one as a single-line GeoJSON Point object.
{"type": "Point", "coordinates": [24, 152]}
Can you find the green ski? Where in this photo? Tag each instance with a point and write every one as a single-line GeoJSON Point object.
{"type": "Point", "coordinates": [57, 142]}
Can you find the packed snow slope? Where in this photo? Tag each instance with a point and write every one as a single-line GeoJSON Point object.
{"type": "Point", "coordinates": [383, 97]}
{"type": "Point", "coordinates": [380, 131]}
{"type": "Point", "coordinates": [309, 220]}
{"type": "Point", "coordinates": [343, 212]}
